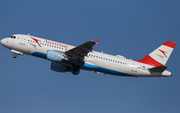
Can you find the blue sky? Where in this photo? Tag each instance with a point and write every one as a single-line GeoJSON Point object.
{"type": "Point", "coordinates": [132, 28]}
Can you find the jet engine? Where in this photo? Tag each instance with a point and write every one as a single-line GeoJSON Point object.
{"type": "Point", "coordinates": [55, 56]}
{"type": "Point", "coordinates": [75, 69]}
{"type": "Point", "coordinates": [58, 67]}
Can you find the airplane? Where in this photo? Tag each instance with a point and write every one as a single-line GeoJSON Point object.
{"type": "Point", "coordinates": [68, 58]}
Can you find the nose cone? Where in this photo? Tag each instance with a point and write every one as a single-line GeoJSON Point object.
{"type": "Point", "coordinates": [3, 41]}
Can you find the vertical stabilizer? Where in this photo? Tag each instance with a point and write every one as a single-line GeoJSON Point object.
{"type": "Point", "coordinates": [159, 56]}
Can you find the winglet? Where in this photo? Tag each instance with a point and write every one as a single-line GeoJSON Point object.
{"type": "Point", "coordinates": [96, 42]}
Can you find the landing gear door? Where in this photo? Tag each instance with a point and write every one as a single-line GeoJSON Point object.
{"type": "Point", "coordinates": [23, 40]}
{"type": "Point", "coordinates": [135, 66]}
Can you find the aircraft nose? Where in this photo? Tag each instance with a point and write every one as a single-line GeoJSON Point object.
{"type": "Point", "coordinates": [3, 42]}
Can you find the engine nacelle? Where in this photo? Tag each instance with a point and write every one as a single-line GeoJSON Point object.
{"type": "Point", "coordinates": [55, 56]}
{"type": "Point", "coordinates": [58, 67]}
{"type": "Point", "coordinates": [75, 69]}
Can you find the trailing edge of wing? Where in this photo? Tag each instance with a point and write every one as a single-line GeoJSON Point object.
{"type": "Point", "coordinates": [80, 51]}
{"type": "Point", "coordinates": [158, 69]}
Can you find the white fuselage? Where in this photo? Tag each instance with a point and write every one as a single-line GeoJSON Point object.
{"type": "Point", "coordinates": [94, 61]}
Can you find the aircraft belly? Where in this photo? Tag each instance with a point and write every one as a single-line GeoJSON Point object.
{"type": "Point", "coordinates": [119, 69]}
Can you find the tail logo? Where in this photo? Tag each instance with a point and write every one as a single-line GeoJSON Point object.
{"type": "Point", "coordinates": [160, 55]}
{"type": "Point", "coordinates": [163, 53]}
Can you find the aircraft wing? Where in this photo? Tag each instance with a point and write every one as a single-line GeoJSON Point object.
{"type": "Point", "coordinates": [77, 54]}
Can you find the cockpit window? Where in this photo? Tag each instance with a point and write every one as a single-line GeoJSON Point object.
{"type": "Point", "coordinates": [13, 37]}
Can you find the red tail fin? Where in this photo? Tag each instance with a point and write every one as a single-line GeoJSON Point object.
{"type": "Point", "coordinates": [159, 56]}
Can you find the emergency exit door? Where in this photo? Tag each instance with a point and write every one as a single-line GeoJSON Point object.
{"type": "Point", "coordinates": [23, 40]}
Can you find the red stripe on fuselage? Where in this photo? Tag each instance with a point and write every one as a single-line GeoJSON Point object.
{"type": "Point", "coordinates": [36, 40]}
{"type": "Point", "coordinates": [150, 61]}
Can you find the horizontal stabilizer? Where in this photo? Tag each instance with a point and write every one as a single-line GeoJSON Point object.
{"type": "Point", "coordinates": [158, 69]}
